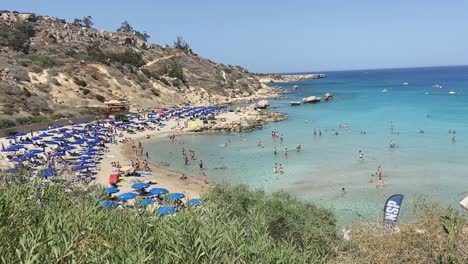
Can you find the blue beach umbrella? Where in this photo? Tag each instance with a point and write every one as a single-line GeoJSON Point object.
{"type": "Point", "coordinates": [166, 210]}
{"type": "Point", "coordinates": [11, 137]}
{"type": "Point", "coordinates": [49, 172]}
{"type": "Point", "coordinates": [20, 134]}
{"type": "Point", "coordinates": [59, 154]}
{"type": "Point", "coordinates": [36, 138]}
{"type": "Point", "coordinates": [158, 191]}
{"type": "Point", "coordinates": [109, 204]}
{"type": "Point", "coordinates": [127, 196]}
{"type": "Point", "coordinates": [12, 170]}
{"type": "Point", "coordinates": [30, 155]}
{"type": "Point", "coordinates": [111, 190]}
{"type": "Point", "coordinates": [146, 202]}
{"type": "Point", "coordinates": [80, 167]}
{"type": "Point", "coordinates": [68, 148]}
{"type": "Point", "coordinates": [19, 159]}
{"type": "Point", "coordinates": [140, 186]}
{"type": "Point", "coordinates": [176, 196]}
{"type": "Point", "coordinates": [194, 202]}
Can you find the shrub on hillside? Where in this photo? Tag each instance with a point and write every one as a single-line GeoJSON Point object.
{"type": "Point", "coordinates": [6, 123]}
{"type": "Point", "coordinates": [80, 82]}
{"type": "Point", "coordinates": [43, 60]}
{"type": "Point", "coordinates": [100, 98]}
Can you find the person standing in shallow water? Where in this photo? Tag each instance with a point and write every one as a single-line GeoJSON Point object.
{"type": "Point", "coordinates": [205, 178]}
{"type": "Point", "coordinates": [201, 164]}
{"type": "Point", "coordinates": [286, 152]}
{"type": "Point", "coordinates": [275, 168]}
{"type": "Point", "coordinates": [281, 168]}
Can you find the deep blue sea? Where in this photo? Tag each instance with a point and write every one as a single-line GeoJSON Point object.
{"type": "Point", "coordinates": [427, 165]}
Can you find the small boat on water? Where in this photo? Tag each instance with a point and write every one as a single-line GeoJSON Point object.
{"type": "Point", "coordinates": [384, 90]}
{"type": "Point", "coordinates": [452, 92]}
{"type": "Point", "coordinates": [295, 103]}
{"type": "Point", "coordinates": [405, 83]}
{"type": "Point", "coordinates": [311, 100]}
{"type": "Point", "coordinates": [437, 86]}
{"type": "Point", "coordinates": [295, 87]}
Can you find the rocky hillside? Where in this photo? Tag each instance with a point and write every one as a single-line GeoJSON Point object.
{"type": "Point", "coordinates": [51, 68]}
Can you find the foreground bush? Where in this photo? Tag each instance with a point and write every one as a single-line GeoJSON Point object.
{"type": "Point", "coordinates": [440, 235]}
{"type": "Point", "coordinates": [234, 226]}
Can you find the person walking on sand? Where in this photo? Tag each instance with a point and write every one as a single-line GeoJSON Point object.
{"type": "Point", "coordinates": [205, 178]}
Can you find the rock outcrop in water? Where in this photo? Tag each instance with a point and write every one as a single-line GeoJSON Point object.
{"type": "Point", "coordinates": [243, 119]}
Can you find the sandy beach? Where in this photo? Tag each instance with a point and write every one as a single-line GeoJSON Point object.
{"type": "Point", "coordinates": [123, 152]}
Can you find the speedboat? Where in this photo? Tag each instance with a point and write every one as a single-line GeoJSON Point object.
{"type": "Point", "coordinates": [405, 83]}
{"type": "Point", "coordinates": [295, 103]}
{"type": "Point", "coordinates": [384, 90]}
{"type": "Point", "coordinates": [452, 92]}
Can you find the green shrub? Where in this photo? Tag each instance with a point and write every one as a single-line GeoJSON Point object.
{"type": "Point", "coordinates": [80, 82]}
{"type": "Point", "coordinates": [100, 98]}
{"type": "Point", "coordinates": [173, 70]}
{"type": "Point", "coordinates": [43, 60]}
{"type": "Point", "coordinates": [6, 123]}
{"type": "Point", "coordinates": [67, 227]}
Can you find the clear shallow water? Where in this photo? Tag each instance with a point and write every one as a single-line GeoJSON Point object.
{"type": "Point", "coordinates": [427, 165]}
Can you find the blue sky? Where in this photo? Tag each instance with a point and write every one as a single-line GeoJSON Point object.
{"type": "Point", "coordinates": [289, 36]}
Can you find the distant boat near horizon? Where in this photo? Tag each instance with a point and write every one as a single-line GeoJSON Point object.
{"type": "Point", "coordinates": [384, 90]}
{"type": "Point", "coordinates": [452, 92]}
{"type": "Point", "coordinates": [295, 103]}
{"type": "Point", "coordinates": [437, 86]}
{"type": "Point", "coordinates": [405, 83]}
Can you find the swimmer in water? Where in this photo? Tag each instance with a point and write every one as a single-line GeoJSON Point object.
{"type": "Point", "coordinates": [343, 191]}
{"type": "Point", "coordinates": [298, 148]}
{"type": "Point", "coordinates": [361, 155]}
{"type": "Point", "coordinates": [320, 132]}
{"type": "Point", "coordinates": [371, 178]}
{"type": "Point", "coordinates": [275, 151]}
{"type": "Point", "coordinates": [453, 139]}
{"type": "Point", "coordinates": [275, 168]}
{"type": "Point", "coordinates": [286, 152]}
{"type": "Point", "coordinates": [392, 144]}
{"type": "Point", "coordinates": [315, 132]}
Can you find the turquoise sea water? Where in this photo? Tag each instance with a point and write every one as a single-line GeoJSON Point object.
{"type": "Point", "coordinates": [427, 165]}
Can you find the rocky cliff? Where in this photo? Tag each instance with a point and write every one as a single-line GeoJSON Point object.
{"type": "Point", "coordinates": [50, 68]}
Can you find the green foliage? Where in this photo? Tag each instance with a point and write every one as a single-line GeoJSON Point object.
{"type": "Point", "coordinates": [6, 123]}
{"type": "Point", "coordinates": [173, 70]}
{"type": "Point", "coordinates": [128, 56]}
{"type": "Point", "coordinates": [31, 120]}
{"type": "Point", "coordinates": [43, 60]}
{"type": "Point", "coordinates": [25, 27]}
{"type": "Point", "coordinates": [18, 36]}
{"type": "Point", "coordinates": [121, 117]}
{"type": "Point", "coordinates": [80, 82]}
{"type": "Point", "coordinates": [181, 44]}
{"type": "Point", "coordinates": [67, 227]}
{"type": "Point", "coordinates": [125, 27]}
{"type": "Point", "coordinates": [100, 98]}
{"type": "Point", "coordinates": [86, 21]}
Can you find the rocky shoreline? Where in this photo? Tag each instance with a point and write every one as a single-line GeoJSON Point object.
{"type": "Point", "coordinates": [244, 119]}
{"type": "Point", "coordinates": [284, 78]}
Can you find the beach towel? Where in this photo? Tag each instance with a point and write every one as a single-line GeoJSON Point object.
{"type": "Point", "coordinates": [146, 174]}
